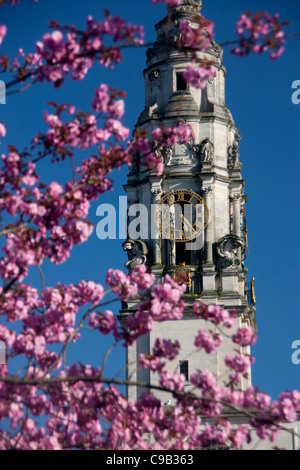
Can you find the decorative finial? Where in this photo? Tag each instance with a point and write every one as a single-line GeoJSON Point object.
{"type": "Point", "coordinates": [253, 297]}
{"type": "Point", "coordinates": [189, 5]}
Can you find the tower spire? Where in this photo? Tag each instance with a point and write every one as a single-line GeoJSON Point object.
{"type": "Point", "coordinates": [193, 6]}
{"type": "Point", "coordinates": [199, 231]}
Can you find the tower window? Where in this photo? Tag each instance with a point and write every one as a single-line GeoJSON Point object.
{"type": "Point", "coordinates": [184, 369]}
{"type": "Point", "coordinates": [181, 84]}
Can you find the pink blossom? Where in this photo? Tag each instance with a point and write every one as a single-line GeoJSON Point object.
{"type": "Point", "coordinates": [121, 284]}
{"type": "Point", "coordinates": [52, 443]}
{"type": "Point", "coordinates": [197, 76]}
{"type": "Point", "coordinates": [106, 323]}
{"type": "Point", "coordinates": [55, 189]}
{"type": "Point", "coordinates": [239, 363]}
{"type": "Point", "coordinates": [166, 348]}
{"type": "Point", "coordinates": [245, 337]}
{"type": "Point", "coordinates": [151, 362]}
{"type": "Point", "coordinates": [117, 129]}
{"type": "Point", "coordinates": [172, 381]}
{"type": "Point", "coordinates": [259, 33]}
{"type": "Point", "coordinates": [172, 3]}
{"type": "Point", "coordinates": [209, 342]}
{"type": "Point", "coordinates": [141, 277]}
{"type": "Point", "coordinates": [214, 313]}
{"type": "Point", "coordinates": [2, 130]}
{"type": "Point", "coordinates": [198, 38]}
{"type": "Point", "coordinates": [3, 32]}
{"type": "Point", "coordinates": [240, 436]}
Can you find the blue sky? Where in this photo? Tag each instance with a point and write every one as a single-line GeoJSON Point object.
{"type": "Point", "coordinates": [258, 94]}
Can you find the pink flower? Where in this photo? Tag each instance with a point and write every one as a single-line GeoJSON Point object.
{"type": "Point", "coordinates": [2, 130]}
{"type": "Point", "coordinates": [240, 436]}
{"type": "Point", "coordinates": [197, 76]}
{"type": "Point", "coordinates": [245, 337]}
{"type": "Point", "coordinates": [287, 410]}
{"type": "Point", "coordinates": [52, 120]}
{"type": "Point", "coordinates": [166, 348]}
{"type": "Point", "coordinates": [238, 363]}
{"type": "Point", "coordinates": [172, 3]}
{"type": "Point", "coordinates": [214, 313]}
{"type": "Point", "coordinates": [203, 379]}
{"type": "Point", "coordinates": [54, 42]}
{"type": "Point", "coordinates": [172, 381]}
{"type": "Point", "coordinates": [3, 32]}
{"type": "Point", "coordinates": [116, 127]}
{"type": "Point", "coordinates": [106, 323]}
{"type": "Point", "coordinates": [121, 284]}
{"type": "Point", "coordinates": [259, 33]}
{"type": "Point", "coordinates": [151, 362]}
{"type": "Point", "coordinates": [55, 189]}
{"type": "Point", "coordinates": [198, 38]}
{"type": "Point", "coordinates": [101, 99]}
{"type": "Point", "coordinates": [52, 443]}
{"type": "Point", "coordinates": [39, 345]}
{"type": "Point", "coordinates": [209, 342]}
{"type": "Point", "coordinates": [141, 277]}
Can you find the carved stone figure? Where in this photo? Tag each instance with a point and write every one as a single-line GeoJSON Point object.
{"type": "Point", "coordinates": [154, 75]}
{"type": "Point", "coordinates": [137, 252]}
{"type": "Point", "coordinates": [227, 251]}
{"type": "Point", "coordinates": [163, 153]}
{"type": "Point", "coordinates": [189, 5]}
{"type": "Point", "coordinates": [206, 151]}
{"type": "Point", "coordinates": [233, 156]}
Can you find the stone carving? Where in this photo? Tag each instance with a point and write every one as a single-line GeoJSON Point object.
{"type": "Point", "coordinates": [156, 193]}
{"type": "Point", "coordinates": [206, 151]}
{"type": "Point", "coordinates": [207, 191]}
{"type": "Point", "coordinates": [236, 198]}
{"type": "Point", "coordinates": [154, 75]}
{"type": "Point", "coordinates": [163, 153]}
{"type": "Point", "coordinates": [233, 156]}
{"type": "Point", "coordinates": [227, 251]}
{"type": "Point", "coordinates": [137, 252]}
{"type": "Point", "coordinates": [189, 5]}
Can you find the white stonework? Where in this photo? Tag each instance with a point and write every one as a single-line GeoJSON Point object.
{"type": "Point", "coordinates": [207, 174]}
{"type": "Point", "coordinates": [217, 180]}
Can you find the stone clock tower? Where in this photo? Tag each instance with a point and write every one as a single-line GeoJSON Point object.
{"type": "Point", "coordinates": [204, 173]}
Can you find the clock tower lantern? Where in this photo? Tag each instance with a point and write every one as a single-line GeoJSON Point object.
{"type": "Point", "coordinates": [207, 248]}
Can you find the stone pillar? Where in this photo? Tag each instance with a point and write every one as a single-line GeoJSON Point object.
{"type": "Point", "coordinates": [236, 202]}
{"type": "Point", "coordinates": [172, 244]}
{"type": "Point", "coordinates": [208, 256]}
{"type": "Point", "coordinates": [156, 237]}
{"type": "Point", "coordinates": [208, 268]}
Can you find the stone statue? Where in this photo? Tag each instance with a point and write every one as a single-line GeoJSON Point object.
{"type": "Point", "coordinates": [189, 5]}
{"type": "Point", "coordinates": [227, 251]}
{"type": "Point", "coordinates": [206, 151]}
{"type": "Point", "coordinates": [137, 252]}
{"type": "Point", "coordinates": [163, 153]}
{"type": "Point", "coordinates": [233, 155]}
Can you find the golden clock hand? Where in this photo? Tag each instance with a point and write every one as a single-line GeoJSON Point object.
{"type": "Point", "coordinates": [187, 226]}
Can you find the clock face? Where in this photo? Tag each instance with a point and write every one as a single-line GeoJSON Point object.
{"type": "Point", "coordinates": [181, 215]}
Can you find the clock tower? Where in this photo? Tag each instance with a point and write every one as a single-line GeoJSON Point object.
{"type": "Point", "coordinates": [198, 227]}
